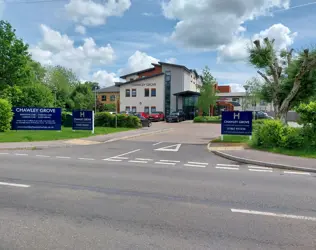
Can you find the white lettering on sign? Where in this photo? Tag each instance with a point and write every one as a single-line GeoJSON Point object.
{"type": "Point", "coordinates": [144, 84]}
{"type": "Point", "coordinates": [35, 110]}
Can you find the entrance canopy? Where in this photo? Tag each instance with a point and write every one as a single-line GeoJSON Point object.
{"type": "Point", "coordinates": [187, 93]}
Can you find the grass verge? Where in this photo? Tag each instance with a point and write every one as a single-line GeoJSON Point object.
{"type": "Point", "coordinates": [65, 133]}
{"type": "Point", "coordinates": [290, 152]}
{"type": "Point", "coordinates": [233, 139]}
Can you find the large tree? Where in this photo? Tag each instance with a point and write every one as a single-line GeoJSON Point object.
{"type": "Point", "coordinates": [82, 97]}
{"type": "Point", "coordinates": [288, 80]}
{"type": "Point", "coordinates": [207, 96]}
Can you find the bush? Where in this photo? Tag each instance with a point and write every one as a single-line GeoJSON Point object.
{"type": "Point", "coordinates": [105, 119]}
{"type": "Point", "coordinates": [207, 119]}
{"type": "Point", "coordinates": [6, 115]}
{"type": "Point", "coordinates": [66, 119]}
{"type": "Point", "coordinates": [307, 113]}
{"type": "Point", "coordinates": [292, 138]}
{"type": "Point", "coordinates": [269, 134]}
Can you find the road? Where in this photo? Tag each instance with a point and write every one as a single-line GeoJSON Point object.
{"type": "Point", "coordinates": [129, 195]}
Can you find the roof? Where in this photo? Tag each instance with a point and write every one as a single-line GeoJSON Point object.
{"type": "Point", "coordinates": [138, 79]}
{"type": "Point", "coordinates": [232, 94]}
{"type": "Point", "coordinates": [141, 71]}
{"type": "Point", "coordinates": [187, 93]}
{"type": "Point", "coordinates": [109, 89]}
{"type": "Point", "coordinates": [175, 65]}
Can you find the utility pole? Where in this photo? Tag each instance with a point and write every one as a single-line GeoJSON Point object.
{"type": "Point", "coordinates": [95, 99]}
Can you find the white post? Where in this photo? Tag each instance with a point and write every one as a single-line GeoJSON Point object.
{"type": "Point", "coordinates": [250, 137]}
{"type": "Point", "coordinates": [92, 122]}
{"type": "Point", "coordinates": [222, 137]}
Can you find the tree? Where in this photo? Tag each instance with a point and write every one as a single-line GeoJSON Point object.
{"type": "Point", "coordinates": [36, 95]}
{"type": "Point", "coordinates": [82, 97]}
{"type": "Point", "coordinates": [253, 89]}
{"type": "Point", "coordinates": [93, 85]}
{"type": "Point", "coordinates": [207, 96]}
{"type": "Point", "coordinates": [287, 80]}
{"type": "Point", "coordinates": [14, 58]}
{"type": "Point", "coordinates": [6, 115]}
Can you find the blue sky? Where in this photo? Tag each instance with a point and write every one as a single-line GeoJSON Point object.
{"type": "Point", "coordinates": [127, 35]}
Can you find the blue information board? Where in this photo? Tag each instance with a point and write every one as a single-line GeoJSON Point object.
{"type": "Point", "coordinates": [236, 122]}
{"type": "Point", "coordinates": [82, 120]}
{"type": "Point", "coordinates": [36, 118]}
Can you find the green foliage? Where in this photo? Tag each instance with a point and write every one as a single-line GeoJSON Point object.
{"type": "Point", "coordinates": [307, 113]}
{"type": "Point", "coordinates": [105, 119]}
{"type": "Point", "coordinates": [207, 119]}
{"type": "Point", "coordinates": [6, 115]}
{"type": "Point", "coordinates": [110, 107]}
{"type": "Point", "coordinates": [66, 119]}
{"type": "Point", "coordinates": [36, 95]}
{"type": "Point", "coordinates": [13, 94]}
{"type": "Point", "coordinates": [269, 134]}
{"type": "Point", "coordinates": [82, 97]}
{"type": "Point", "coordinates": [291, 138]}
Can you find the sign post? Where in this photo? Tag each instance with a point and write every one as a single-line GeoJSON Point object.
{"type": "Point", "coordinates": [83, 120]}
{"type": "Point", "coordinates": [236, 123]}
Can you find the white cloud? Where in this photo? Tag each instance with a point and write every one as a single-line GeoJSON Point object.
{"type": "Point", "coordinates": [138, 61]}
{"type": "Point", "coordinates": [2, 6]}
{"type": "Point", "coordinates": [147, 14]}
{"type": "Point", "coordinates": [237, 50]}
{"type": "Point", "coordinates": [171, 60]}
{"type": "Point", "coordinates": [235, 87]}
{"type": "Point", "coordinates": [212, 23]}
{"type": "Point", "coordinates": [58, 49]}
{"type": "Point", "coordinates": [80, 29]}
{"type": "Point", "coordinates": [90, 13]}
{"type": "Point", "coordinates": [104, 78]}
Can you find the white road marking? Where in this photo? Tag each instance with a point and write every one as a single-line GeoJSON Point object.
{"type": "Point", "coordinates": [260, 170]}
{"type": "Point", "coordinates": [121, 158]}
{"type": "Point", "coordinates": [130, 152]}
{"type": "Point", "coordinates": [298, 173]}
{"type": "Point", "coordinates": [171, 148]}
{"type": "Point", "coordinates": [144, 159]}
{"type": "Point", "coordinates": [289, 216]}
{"type": "Point", "coordinates": [192, 165]}
{"type": "Point", "coordinates": [227, 168]}
{"type": "Point", "coordinates": [202, 163]}
{"type": "Point", "coordinates": [44, 156]}
{"type": "Point", "coordinates": [256, 167]}
{"type": "Point", "coordinates": [227, 165]}
{"type": "Point", "coordinates": [86, 159]}
{"type": "Point", "coordinates": [4, 153]}
{"type": "Point", "coordinates": [14, 184]}
{"type": "Point", "coordinates": [165, 163]}
{"type": "Point", "coordinates": [21, 154]}
{"type": "Point", "coordinates": [109, 159]}
{"type": "Point", "coordinates": [169, 161]}
{"type": "Point", "coordinates": [137, 161]}
{"type": "Point", "coordinates": [157, 143]}
{"type": "Point", "coordinates": [62, 157]}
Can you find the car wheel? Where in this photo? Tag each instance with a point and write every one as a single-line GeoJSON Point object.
{"type": "Point", "coordinates": [149, 124]}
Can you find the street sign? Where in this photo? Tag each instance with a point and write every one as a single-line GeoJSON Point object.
{"type": "Point", "coordinates": [36, 118]}
{"type": "Point", "coordinates": [236, 123]}
{"type": "Point", "coordinates": [83, 120]}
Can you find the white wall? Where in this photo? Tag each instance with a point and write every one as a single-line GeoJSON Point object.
{"type": "Point", "coordinates": [140, 101]}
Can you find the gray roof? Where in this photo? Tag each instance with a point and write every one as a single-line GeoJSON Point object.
{"type": "Point", "coordinates": [109, 89]}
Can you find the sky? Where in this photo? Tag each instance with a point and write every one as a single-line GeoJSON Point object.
{"type": "Point", "coordinates": [102, 40]}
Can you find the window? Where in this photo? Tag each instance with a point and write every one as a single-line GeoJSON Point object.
{"type": "Point", "coordinates": [234, 99]}
{"type": "Point", "coordinates": [134, 109]}
{"type": "Point", "coordinates": [104, 98]}
{"type": "Point", "coordinates": [133, 92]}
{"type": "Point", "coordinates": [127, 109]}
{"type": "Point", "coordinates": [146, 92]}
{"type": "Point", "coordinates": [127, 92]}
{"type": "Point", "coordinates": [153, 92]}
{"type": "Point", "coordinates": [112, 98]}
{"type": "Point", "coordinates": [153, 109]}
{"type": "Point", "coordinates": [146, 109]}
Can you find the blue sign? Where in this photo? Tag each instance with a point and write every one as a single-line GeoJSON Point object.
{"type": "Point", "coordinates": [236, 122]}
{"type": "Point", "coordinates": [82, 120]}
{"type": "Point", "coordinates": [36, 118]}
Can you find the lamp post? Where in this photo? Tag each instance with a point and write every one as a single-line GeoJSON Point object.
{"type": "Point", "coordinates": [95, 99]}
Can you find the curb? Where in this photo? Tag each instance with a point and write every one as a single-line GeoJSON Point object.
{"type": "Point", "coordinates": [259, 163]}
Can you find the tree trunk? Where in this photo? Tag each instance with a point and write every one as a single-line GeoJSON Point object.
{"type": "Point", "coordinates": [283, 117]}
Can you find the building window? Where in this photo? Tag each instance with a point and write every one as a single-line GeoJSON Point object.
{"type": "Point", "coordinates": [146, 92]}
{"type": "Point", "coordinates": [127, 92]}
{"type": "Point", "coordinates": [133, 92]}
{"type": "Point", "coordinates": [112, 98]}
{"type": "Point", "coordinates": [153, 109]}
{"type": "Point", "coordinates": [146, 109]}
{"type": "Point", "coordinates": [234, 99]}
{"type": "Point", "coordinates": [134, 109]}
{"type": "Point", "coordinates": [104, 98]}
{"type": "Point", "coordinates": [153, 92]}
{"type": "Point", "coordinates": [127, 109]}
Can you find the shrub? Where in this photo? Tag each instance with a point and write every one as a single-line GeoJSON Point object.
{"type": "Point", "coordinates": [66, 119]}
{"type": "Point", "coordinates": [292, 138]}
{"type": "Point", "coordinates": [104, 119]}
{"type": "Point", "coordinates": [269, 134]}
{"type": "Point", "coordinates": [207, 119]}
{"type": "Point", "coordinates": [6, 115]}
{"type": "Point", "coordinates": [307, 113]}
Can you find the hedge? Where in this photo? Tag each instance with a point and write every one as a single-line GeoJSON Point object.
{"type": "Point", "coordinates": [207, 119]}
{"type": "Point", "coordinates": [6, 115]}
{"type": "Point", "coordinates": [105, 119]}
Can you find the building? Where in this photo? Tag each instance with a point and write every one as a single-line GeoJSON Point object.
{"type": "Point", "coordinates": [109, 95]}
{"type": "Point", "coordinates": [164, 87]}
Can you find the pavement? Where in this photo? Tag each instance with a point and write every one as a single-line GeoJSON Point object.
{"type": "Point", "coordinates": [148, 193]}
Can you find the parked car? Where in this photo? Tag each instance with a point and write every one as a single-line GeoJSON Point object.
{"type": "Point", "coordinates": [176, 116]}
{"type": "Point", "coordinates": [145, 121]}
{"type": "Point", "coordinates": [262, 115]}
{"type": "Point", "coordinates": [157, 116]}
{"type": "Point", "coordinates": [143, 114]}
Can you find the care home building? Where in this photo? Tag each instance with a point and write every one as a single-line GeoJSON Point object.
{"type": "Point", "coordinates": [164, 87]}
{"type": "Point", "coordinates": [109, 95]}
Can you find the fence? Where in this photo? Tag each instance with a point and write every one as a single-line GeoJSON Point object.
{"type": "Point", "coordinates": [292, 116]}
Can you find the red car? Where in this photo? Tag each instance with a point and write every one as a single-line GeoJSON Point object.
{"type": "Point", "coordinates": [157, 116]}
{"type": "Point", "coordinates": [143, 114]}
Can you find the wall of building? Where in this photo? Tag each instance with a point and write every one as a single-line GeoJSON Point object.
{"type": "Point", "coordinates": [140, 101]}
{"type": "Point", "coordinates": [108, 97]}
{"type": "Point", "coordinates": [156, 70]}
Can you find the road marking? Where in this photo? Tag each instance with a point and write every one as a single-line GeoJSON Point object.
{"type": "Point", "coordinates": [169, 161]}
{"type": "Point", "coordinates": [192, 165]}
{"type": "Point", "coordinates": [4, 153]}
{"type": "Point", "coordinates": [227, 165]}
{"type": "Point", "coordinates": [298, 173]}
{"type": "Point", "coordinates": [121, 158]}
{"type": "Point", "coordinates": [260, 170]}
{"type": "Point", "coordinates": [44, 156]}
{"type": "Point", "coordinates": [202, 163]}
{"type": "Point", "coordinates": [21, 154]}
{"type": "Point", "coordinates": [256, 167]}
{"type": "Point", "coordinates": [171, 148]}
{"type": "Point", "coordinates": [165, 163]}
{"type": "Point", "coordinates": [290, 216]}
{"type": "Point", "coordinates": [14, 184]}
{"type": "Point", "coordinates": [62, 157]}
{"type": "Point", "coordinates": [109, 159]}
{"type": "Point", "coordinates": [227, 168]}
{"type": "Point", "coordinates": [86, 159]}
{"type": "Point", "coordinates": [130, 152]}
{"type": "Point", "coordinates": [144, 159]}
{"type": "Point", "coordinates": [157, 143]}
{"type": "Point", "coordinates": [137, 161]}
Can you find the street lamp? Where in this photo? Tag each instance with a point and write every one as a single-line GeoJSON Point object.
{"type": "Point", "coordinates": [95, 99]}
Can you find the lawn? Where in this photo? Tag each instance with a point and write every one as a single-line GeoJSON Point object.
{"type": "Point", "coordinates": [65, 133]}
{"type": "Point", "coordinates": [233, 139]}
{"type": "Point", "coordinates": [293, 152]}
